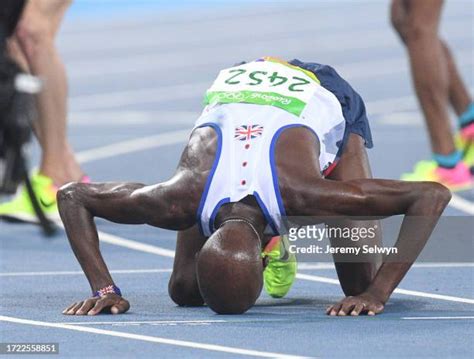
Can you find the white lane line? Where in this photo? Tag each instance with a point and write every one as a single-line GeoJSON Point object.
{"type": "Point", "coordinates": [316, 266]}
{"type": "Point", "coordinates": [177, 322]}
{"type": "Point", "coordinates": [126, 118]}
{"type": "Point", "coordinates": [387, 67]}
{"type": "Point", "coordinates": [147, 338]}
{"type": "Point", "coordinates": [133, 145]}
{"type": "Point", "coordinates": [412, 118]}
{"type": "Point", "coordinates": [301, 266]}
{"type": "Point", "coordinates": [66, 273]}
{"type": "Point", "coordinates": [310, 266]}
{"type": "Point", "coordinates": [448, 298]}
{"type": "Point", "coordinates": [151, 322]}
{"type": "Point", "coordinates": [462, 204]}
{"type": "Point", "coordinates": [130, 244]}
{"type": "Point", "coordinates": [154, 95]}
{"type": "Point", "coordinates": [413, 293]}
{"type": "Point", "coordinates": [437, 318]}
{"type": "Point", "coordinates": [443, 265]}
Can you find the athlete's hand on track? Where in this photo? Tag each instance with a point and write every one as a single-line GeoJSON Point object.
{"type": "Point", "coordinates": [364, 303]}
{"type": "Point", "coordinates": [109, 303]}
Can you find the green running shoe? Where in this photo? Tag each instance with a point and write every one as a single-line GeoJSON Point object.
{"type": "Point", "coordinates": [280, 272]}
{"type": "Point", "coordinates": [20, 207]}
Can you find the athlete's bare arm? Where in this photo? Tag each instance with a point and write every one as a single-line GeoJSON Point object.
{"type": "Point", "coordinates": [306, 194]}
{"type": "Point", "coordinates": [422, 203]}
{"type": "Point", "coordinates": [169, 205]}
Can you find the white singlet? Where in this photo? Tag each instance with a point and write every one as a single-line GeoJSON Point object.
{"type": "Point", "coordinates": [248, 114]}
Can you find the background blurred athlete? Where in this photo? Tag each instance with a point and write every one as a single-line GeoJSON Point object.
{"type": "Point", "coordinates": [259, 152]}
{"type": "Point", "coordinates": [438, 85]}
{"type": "Point", "coordinates": [33, 48]}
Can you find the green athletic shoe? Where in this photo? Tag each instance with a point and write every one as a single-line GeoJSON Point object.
{"type": "Point", "coordinates": [20, 207]}
{"type": "Point", "coordinates": [280, 272]}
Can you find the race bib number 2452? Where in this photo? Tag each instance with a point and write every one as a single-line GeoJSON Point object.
{"type": "Point", "coordinates": [263, 83]}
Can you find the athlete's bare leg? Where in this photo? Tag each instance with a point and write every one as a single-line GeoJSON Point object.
{"type": "Point", "coordinates": [32, 46]}
{"type": "Point", "coordinates": [436, 78]}
{"type": "Point", "coordinates": [458, 95]}
{"type": "Point", "coordinates": [356, 277]}
{"type": "Point", "coordinates": [183, 286]}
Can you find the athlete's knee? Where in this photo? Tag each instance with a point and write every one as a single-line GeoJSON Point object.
{"type": "Point", "coordinates": [415, 30]}
{"type": "Point", "coordinates": [184, 291]}
{"type": "Point", "coordinates": [34, 34]}
{"type": "Point", "coordinates": [436, 194]}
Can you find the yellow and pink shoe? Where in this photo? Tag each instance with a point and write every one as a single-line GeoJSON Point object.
{"type": "Point", "coordinates": [458, 178]}
{"type": "Point", "coordinates": [20, 207]}
{"type": "Point", "coordinates": [465, 143]}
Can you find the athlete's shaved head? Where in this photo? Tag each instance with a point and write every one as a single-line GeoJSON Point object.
{"type": "Point", "coordinates": [229, 268]}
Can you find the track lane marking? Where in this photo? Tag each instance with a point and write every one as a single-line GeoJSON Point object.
{"type": "Point", "coordinates": [150, 339]}
{"type": "Point", "coordinates": [462, 204]}
{"type": "Point", "coordinates": [132, 117]}
{"type": "Point", "coordinates": [437, 318]}
{"type": "Point", "coordinates": [133, 145]}
{"type": "Point", "coordinates": [179, 322]}
{"type": "Point", "coordinates": [316, 266]}
{"type": "Point", "coordinates": [151, 322]}
{"type": "Point", "coordinates": [135, 245]}
{"type": "Point", "coordinates": [66, 273]}
{"type": "Point", "coordinates": [415, 293]}
{"type": "Point", "coordinates": [301, 266]}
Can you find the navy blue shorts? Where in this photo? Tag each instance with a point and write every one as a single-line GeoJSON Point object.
{"type": "Point", "coordinates": [353, 107]}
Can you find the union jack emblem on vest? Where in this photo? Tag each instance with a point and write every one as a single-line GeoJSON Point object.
{"type": "Point", "coordinates": [248, 132]}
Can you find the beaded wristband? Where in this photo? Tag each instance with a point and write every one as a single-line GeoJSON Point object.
{"type": "Point", "coordinates": [107, 290]}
